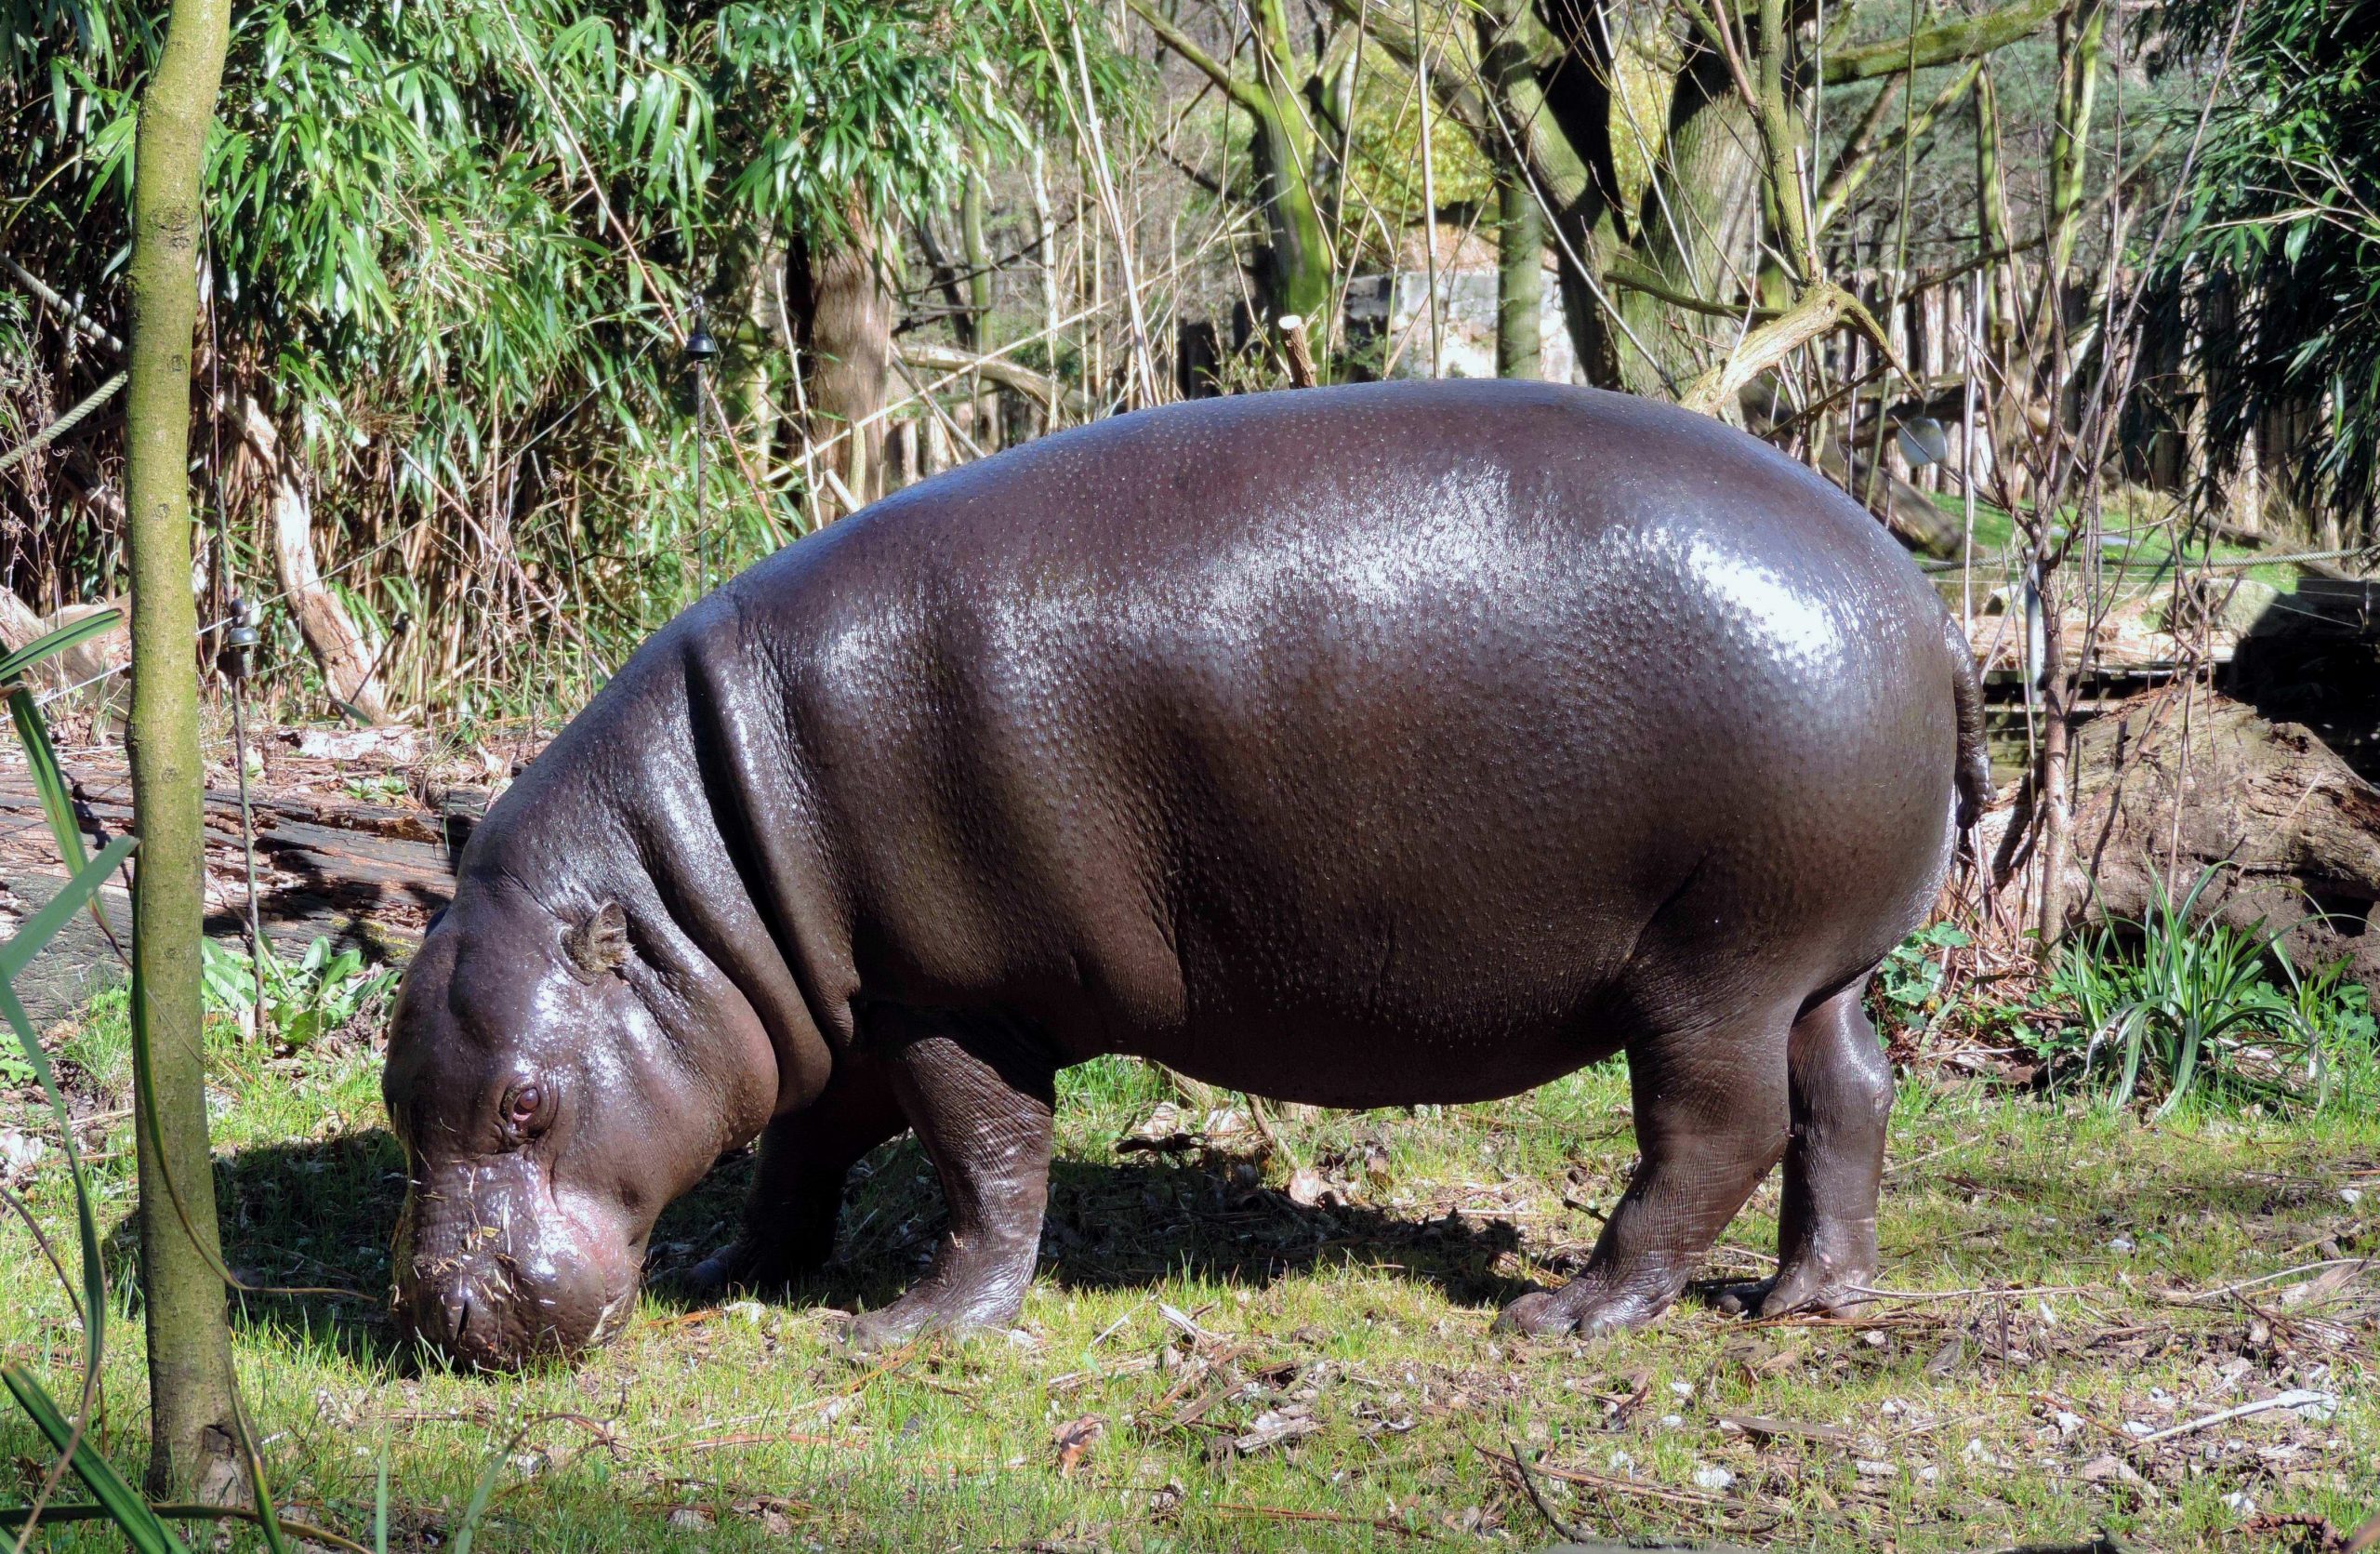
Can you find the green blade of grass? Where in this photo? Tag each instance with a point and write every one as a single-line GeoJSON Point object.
{"type": "Point", "coordinates": [18, 952]}
{"type": "Point", "coordinates": [482, 1493]}
{"type": "Point", "coordinates": [49, 779]}
{"type": "Point", "coordinates": [267, 1514]}
{"type": "Point", "coordinates": [58, 641]}
{"type": "Point", "coordinates": [131, 1514]}
{"type": "Point", "coordinates": [13, 956]}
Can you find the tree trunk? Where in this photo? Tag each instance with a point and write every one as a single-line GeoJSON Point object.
{"type": "Point", "coordinates": [1520, 224]}
{"type": "Point", "coordinates": [1714, 186]}
{"type": "Point", "coordinates": [752, 398]}
{"type": "Point", "coordinates": [1293, 271]}
{"type": "Point", "coordinates": [845, 321]}
{"type": "Point", "coordinates": [2080, 32]}
{"type": "Point", "coordinates": [2051, 800]}
{"type": "Point", "coordinates": [1296, 261]}
{"type": "Point", "coordinates": [1520, 280]}
{"type": "Point", "coordinates": [193, 1428]}
{"type": "Point", "coordinates": [1991, 220]}
{"type": "Point", "coordinates": [977, 256]}
{"type": "Point", "coordinates": [1634, 130]}
{"type": "Point", "coordinates": [1695, 234]}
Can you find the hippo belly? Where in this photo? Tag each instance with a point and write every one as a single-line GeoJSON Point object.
{"type": "Point", "coordinates": [1397, 744]}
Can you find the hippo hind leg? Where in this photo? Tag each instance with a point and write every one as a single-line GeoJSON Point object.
{"type": "Point", "coordinates": [805, 1158]}
{"type": "Point", "coordinates": [1826, 1225]}
{"type": "Point", "coordinates": [1712, 1119]}
{"type": "Point", "coordinates": [981, 1097]}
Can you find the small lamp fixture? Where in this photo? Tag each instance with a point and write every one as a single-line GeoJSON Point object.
{"type": "Point", "coordinates": [700, 347]}
{"type": "Point", "coordinates": [1923, 442]}
{"type": "Point", "coordinates": [240, 642]}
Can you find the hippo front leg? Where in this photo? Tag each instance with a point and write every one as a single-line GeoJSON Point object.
{"type": "Point", "coordinates": [1711, 1122]}
{"type": "Point", "coordinates": [796, 1194]}
{"type": "Point", "coordinates": [981, 1100]}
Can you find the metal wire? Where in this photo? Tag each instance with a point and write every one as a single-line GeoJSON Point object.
{"type": "Point", "coordinates": [2218, 564]}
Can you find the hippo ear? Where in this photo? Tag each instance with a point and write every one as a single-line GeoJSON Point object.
{"type": "Point", "coordinates": [600, 943]}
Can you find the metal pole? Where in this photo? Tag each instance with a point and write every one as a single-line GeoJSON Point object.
{"type": "Point", "coordinates": [1967, 466]}
{"type": "Point", "coordinates": [700, 348]}
{"type": "Point", "coordinates": [702, 521]}
{"type": "Point", "coordinates": [241, 642]}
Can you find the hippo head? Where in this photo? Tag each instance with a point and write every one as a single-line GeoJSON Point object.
{"type": "Point", "coordinates": [548, 1116]}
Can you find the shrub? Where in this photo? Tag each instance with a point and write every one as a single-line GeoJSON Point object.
{"type": "Point", "coordinates": [2197, 1007]}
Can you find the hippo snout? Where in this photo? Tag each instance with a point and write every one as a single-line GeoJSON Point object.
{"type": "Point", "coordinates": [493, 1309]}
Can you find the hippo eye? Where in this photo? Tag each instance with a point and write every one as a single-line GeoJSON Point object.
{"type": "Point", "coordinates": [524, 1108]}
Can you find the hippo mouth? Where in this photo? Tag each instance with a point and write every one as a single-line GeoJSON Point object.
{"type": "Point", "coordinates": [484, 1319]}
{"type": "Point", "coordinates": [504, 1290]}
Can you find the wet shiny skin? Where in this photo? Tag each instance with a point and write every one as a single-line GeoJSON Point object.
{"type": "Point", "coordinates": [1405, 743]}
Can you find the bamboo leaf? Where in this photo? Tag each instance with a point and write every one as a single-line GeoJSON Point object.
{"type": "Point", "coordinates": [126, 1508]}
{"type": "Point", "coordinates": [49, 779]}
{"type": "Point", "coordinates": [19, 951]}
{"type": "Point", "coordinates": [15, 664]}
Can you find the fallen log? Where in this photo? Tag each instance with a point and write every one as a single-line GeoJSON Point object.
{"type": "Point", "coordinates": [87, 660]}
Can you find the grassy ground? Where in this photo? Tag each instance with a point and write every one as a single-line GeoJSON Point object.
{"type": "Point", "coordinates": [2140, 557]}
{"type": "Point", "coordinates": [1207, 1363]}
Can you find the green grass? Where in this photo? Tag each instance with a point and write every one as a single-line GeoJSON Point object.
{"type": "Point", "coordinates": [748, 1427]}
{"type": "Point", "coordinates": [2143, 563]}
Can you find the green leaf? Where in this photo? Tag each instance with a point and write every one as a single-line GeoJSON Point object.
{"type": "Point", "coordinates": [131, 1514]}
{"type": "Point", "coordinates": [50, 777]}
{"type": "Point", "coordinates": [34, 652]}
{"type": "Point", "coordinates": [19, 951]}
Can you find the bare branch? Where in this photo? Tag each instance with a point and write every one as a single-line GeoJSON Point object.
{"type": "Point", "coordinates": [1023, 379]}
{"type": "Point", "coordinates": [1245, 93]}
{"type": "Point", "coordinates": [1852, 172]}
{"type": "Point", "coordinates": [1967, 38]}
{"type": "Point", "coordinates": [1823, 307]}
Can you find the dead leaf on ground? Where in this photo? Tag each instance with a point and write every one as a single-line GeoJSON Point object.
{"type": "Point", "coordinates": [1768, 1429]}
{"type": "Point", "coordinates": [1074, 1441]}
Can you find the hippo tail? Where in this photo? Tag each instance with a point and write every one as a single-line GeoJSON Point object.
{"type": "Point", "coordinates": [1974, 776]}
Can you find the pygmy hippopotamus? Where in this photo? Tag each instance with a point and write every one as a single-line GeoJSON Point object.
{"type": "Point", "coordinates": [1363, 746]}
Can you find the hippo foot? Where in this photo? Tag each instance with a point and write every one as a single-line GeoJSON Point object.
{"type": "Point", "coordinates": [740, 1265]}
{"type": "Point", "coordinates": [914, 1316]}
{"type": "Point", "coordinates": [1799, 1291]}
{"type": "Point", "coordinates": [1577, 1308]}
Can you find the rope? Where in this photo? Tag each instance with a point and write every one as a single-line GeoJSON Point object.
{"type": "Point", "coordinates": [2218, 563]}
{"type": "Point", "coordinates": [64, 423]}
{"type": "Point", "coordinates": [2243, 563]}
